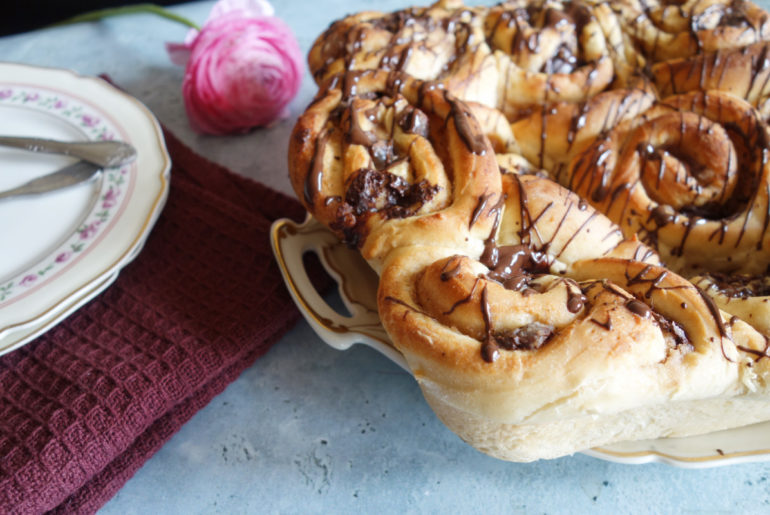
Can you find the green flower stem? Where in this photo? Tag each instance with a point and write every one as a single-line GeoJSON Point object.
{"type": "Point", "coordinates": [129, 9]}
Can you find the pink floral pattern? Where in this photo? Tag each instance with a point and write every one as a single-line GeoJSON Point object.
{"type": "Point", "coordinates": [110, 198]}
{"type": "Point", "coordinates": [241, 70]}
{"type": "Point", "coordinates": [113, 191]}
{"type": "Point", "coordinates": [89, 230]}
{"type": "Point", "coordinates": [89, 121]}
{"type": "Point", "coordinates": [27, 280]}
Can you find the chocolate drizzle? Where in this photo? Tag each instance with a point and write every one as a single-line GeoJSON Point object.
{"type": "Point", "coordinates": [639, 308]}
{"type": "Point", "coordinates": [528, 337]}
{"type": "Point", "coordinates": [482, 205]}
{"type": "Point", "coordinates": [513, 265]}
{"type": "Point", "coordinates": [740, 286]}
{"type": "Point", "coordinates": [714, 310]}
{"type": "Point", "coordinates": [490, 349]}
{"type": "Point", "coordinates": [413, 121]}
{"type": "Point", "coordinates": [575, 300]}
{"type": "Point", "coordinates": [525, 25]}
{"type": "Point", "coordinates": [471, 135]}
{"type": "Point", "coordinates": [314, 176]}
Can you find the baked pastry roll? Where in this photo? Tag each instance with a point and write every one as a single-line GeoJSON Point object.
{"type": "Point", "coordinates": [551, 135]}
{"type": "Point", "coordinates": [665, 30]}
{"type": "Point", "coordinates": [548, 51]}
{"type": "Point", "coordinates": [423, 42]}
{"type": "Point", "coordinates": [387, 161]}
{"type": "Point", "coordinates": [570, 215]}
{"type": "Point", "coordinates": [743, 71]}
{"type": "Point", "coordinates": [743, 296]}
{"type": "Point", "coordinates": [690, 177]}
{"type": "Point", "coordinates": [556, 345]}
{"type": "Point", "coordinates": [510, 57]}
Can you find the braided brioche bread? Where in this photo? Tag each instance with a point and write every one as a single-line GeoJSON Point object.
{"type": "Point", "coordinates": [567, 204]}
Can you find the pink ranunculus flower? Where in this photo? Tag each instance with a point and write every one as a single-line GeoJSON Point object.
{"type": "Point", "coordinates": [242, 69]}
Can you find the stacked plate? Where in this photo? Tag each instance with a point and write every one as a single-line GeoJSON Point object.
{"type": "Point", "coordinates": [60, 249]}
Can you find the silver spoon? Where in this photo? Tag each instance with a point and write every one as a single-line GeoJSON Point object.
{"type": "Point", "coordinates": [106, 154]}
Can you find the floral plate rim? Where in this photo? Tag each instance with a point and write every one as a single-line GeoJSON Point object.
{"type": "Point", "coordinates": [127, 204]}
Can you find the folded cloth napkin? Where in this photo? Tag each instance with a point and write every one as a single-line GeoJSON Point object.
{"type": "Point", "coordinates": [85, 405]}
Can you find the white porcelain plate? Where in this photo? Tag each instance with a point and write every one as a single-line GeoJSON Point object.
{"type": "Point", "coordinates": [357, 285]}
{"type": "Point", "coordinates": [59, 249]}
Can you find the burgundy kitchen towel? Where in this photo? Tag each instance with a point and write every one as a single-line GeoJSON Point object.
{"type": "Point", "coordinates": [85, 405]}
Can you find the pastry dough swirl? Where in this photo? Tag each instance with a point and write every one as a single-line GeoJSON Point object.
{"type": "Point", "coordinates": [668, 30]}
{"type": "Point", "coordinates": [690, 176]}
{"type": "Point", "coordinates": [510, 57]}
{"type": "Point", "coordinates": [386, 161]}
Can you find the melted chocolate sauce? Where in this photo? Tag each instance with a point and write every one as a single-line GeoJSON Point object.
{"type": "Point", "coordinates": [513, 266]}
{"type": "Point", "coordinates": [471, 136]}
{"type": "Point", "coordinates": [482, 205]}
{"type": "Point", "coordinates": [639, 308]}
{"type": "Point", "coordinates": [741, 286]}
{"type": "Point", "coordinates": [450, 269]}
{"type": "Point", "coordinates": [714, 310]}
{"type": "Point", "coordinates": [575, 300]}
{"type": "Point", "coordinates": [490, 349]}
{"type": "Point", "coordinates": [413, 121]}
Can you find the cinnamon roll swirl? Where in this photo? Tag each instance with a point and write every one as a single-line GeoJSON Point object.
{"type": "Point", "coordinates": [386, 161]}
{"type": "Point", "coordinates": [744, 72]}
{"type": "Point", "coordinates": [690, 176]}
{"type": "Point", "coordinates": [423, 42]}
{"type": "Point", "coordinates": [551, 51]}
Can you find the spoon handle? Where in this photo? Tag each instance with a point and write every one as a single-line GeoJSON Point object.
{"type": "Point", "coordinates": [67, 176]}
{"type": "Point", "coordinates": [106, 154]}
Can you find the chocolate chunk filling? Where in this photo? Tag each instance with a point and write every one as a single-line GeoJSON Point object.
{"type": "Point", "coordinates": [376, 191]}
{"type": "Point", "coordinates": [529, 337]}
